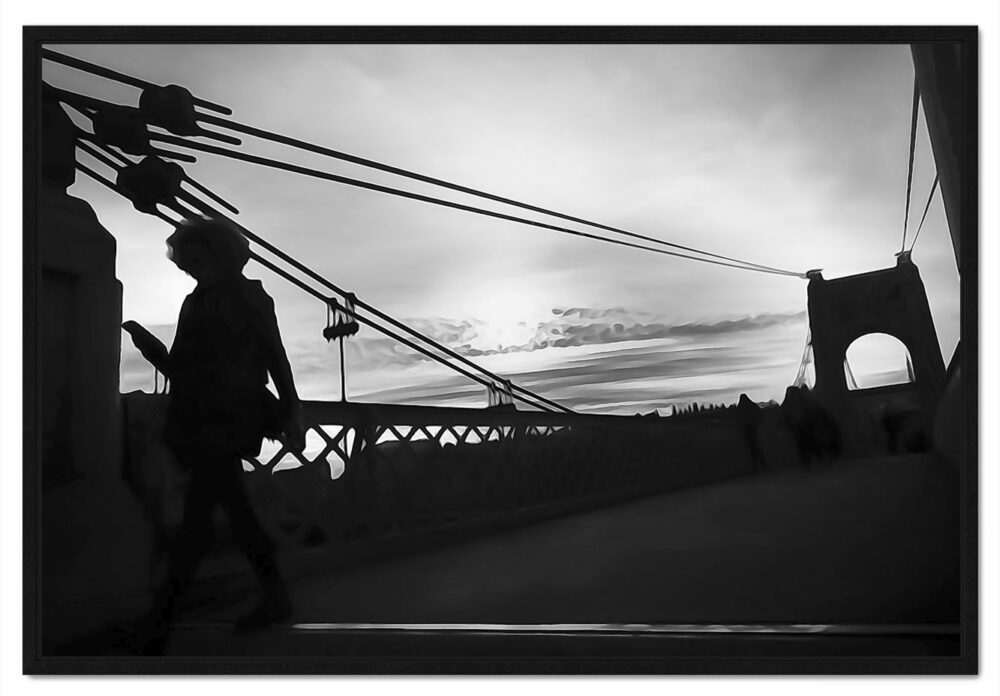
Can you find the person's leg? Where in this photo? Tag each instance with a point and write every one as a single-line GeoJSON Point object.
{"type": "Point", "coordinates": [252, 540]}
{"type": "Point", "coordinates": [186, 550]}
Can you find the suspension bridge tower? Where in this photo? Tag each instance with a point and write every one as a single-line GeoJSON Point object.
{"type": "Point", "coordinates": [889, 301]}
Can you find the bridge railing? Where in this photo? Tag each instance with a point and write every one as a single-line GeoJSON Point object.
{"type": "Point", "coordinates": [369, 470]}
{"type": "Point", "coordinates": [375, 470]}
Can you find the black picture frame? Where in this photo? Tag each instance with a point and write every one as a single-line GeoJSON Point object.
{"type": "Point", "coordinates": [966, 663]}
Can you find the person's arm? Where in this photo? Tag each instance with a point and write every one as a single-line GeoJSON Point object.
{"type": "Point", "coordinates": [151, 348]}
{"type": "Point", "coordinates": [281, 373]}
{"type": "Point", "coordinates": [277, 364]}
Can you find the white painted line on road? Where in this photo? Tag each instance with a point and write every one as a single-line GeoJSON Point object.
{"type": "Point", "coordinates": [786, 629]}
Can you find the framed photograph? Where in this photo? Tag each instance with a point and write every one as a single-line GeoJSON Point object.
{"type": "Point", "coordinates": [501, 350]}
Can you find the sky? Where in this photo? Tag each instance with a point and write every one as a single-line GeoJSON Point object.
{"type": "Point", "coordinates": [789, 156]}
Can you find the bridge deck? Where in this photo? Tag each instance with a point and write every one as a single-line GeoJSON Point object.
{"type": "Point", "coordinates": [865, 542]}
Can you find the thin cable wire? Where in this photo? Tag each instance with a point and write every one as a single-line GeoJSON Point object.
{"type": "Point", "coordinates": [439, 346]}
{"type": "Point", "coordinates": [909, 168]}
{"type": "Point", "coordinates": [739, 263]}
{"type": "Point", "coordinates": [923, 217]}
{"type": "Point", "coordinates": [296, 169]}
{"type": "Point", "coordinates": [97, 154]}
{"type": "Point", "coordinates": [259, 133]}
{"type": "Point", "coordinates": [284, 274]}
{"type": "Point", "coordinates": [288, 259]}
{"type": "Point", "coordinates": [211, 194]}
{"type": "Point", "coordinates": [354, 159]}
{"type": "Point", "coordinates": [318, 149]}
{"type": "Point", "coordinates": [108, 73]}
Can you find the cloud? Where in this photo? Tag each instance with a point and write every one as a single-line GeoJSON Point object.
{"type": "Point", "coordinates": [652, 375]}
{"type": "Point", "coordinates": [590, 358]}
{"type": "Point", "coordinates": [578, 326]}
{"type": "Point", "coordinates": [571, 326]}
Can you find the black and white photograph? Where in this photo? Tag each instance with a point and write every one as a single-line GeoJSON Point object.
{"type": "Point", "coordinates": [501, 350]}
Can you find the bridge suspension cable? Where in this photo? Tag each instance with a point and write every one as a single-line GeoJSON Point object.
{"type": "Point", "coordinates": [108, 73]}
{"type": "Point", "coordinates": [315, 173]}
{"type": "Point", "coordinates": [914, 111]}
{"type": "Point", "coordinates": [108, 157]}
{"type": "Point", "coordinates": [354, 159]}
{"type": "Point", "coordinates": [704, 256]}
{"type": "Point", "coordinates": [930, 197]}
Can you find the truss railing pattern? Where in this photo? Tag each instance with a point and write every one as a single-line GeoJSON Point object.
{"type": "Point", "coordinates": [374, 470]}
{"type": "Point", "coordinates": [371, 470]}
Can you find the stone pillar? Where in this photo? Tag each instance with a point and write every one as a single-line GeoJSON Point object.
{"type": "Point", "coordinates": [79, 329]}
{"type": "Point", "coordinates": [94, 540]}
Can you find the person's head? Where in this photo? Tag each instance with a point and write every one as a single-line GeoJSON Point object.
{"type": "Point", "coordinates": [209, 251]}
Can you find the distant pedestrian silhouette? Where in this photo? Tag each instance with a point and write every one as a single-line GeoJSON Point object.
{"type": "Point", "coordinates": [219, 411]}
{"type": "Point", "coordinates": [748, 414]}
{"type": "Point", "coordinates": [816, 433]}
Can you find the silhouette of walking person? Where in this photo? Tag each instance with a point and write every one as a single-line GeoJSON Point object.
{"type": "Point", "coordinates": [748, 414]}
{"type": "Point", "coordinates": [219, 411]}
{"type": "Point", "coordinates": [816, 434]}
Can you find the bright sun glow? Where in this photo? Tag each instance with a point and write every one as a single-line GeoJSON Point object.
{"type": "Point", "coordinates": [508, 316]}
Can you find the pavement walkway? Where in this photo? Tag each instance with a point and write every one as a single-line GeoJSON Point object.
{"type": "Point", "coordinates": [868, 542]}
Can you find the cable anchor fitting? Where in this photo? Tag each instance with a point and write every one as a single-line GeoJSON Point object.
{"type": "Point", "coordinates": [149, 182]}
{"type": "Point", "coordinates": [171, 108]}
{"type": "Point", "coordinates": [340, 321]}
